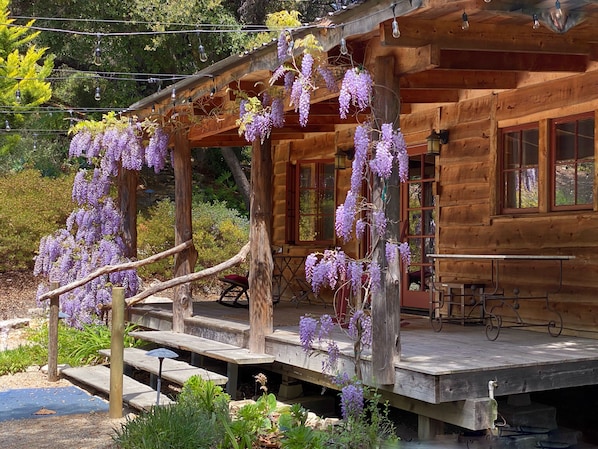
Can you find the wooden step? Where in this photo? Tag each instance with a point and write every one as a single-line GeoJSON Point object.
{"type": "Point", "coordinates": [174, 371]}
{"type": "Point", "coordinates": [135, 394]}
{"type": "Point", "coordinates": [205, 347]}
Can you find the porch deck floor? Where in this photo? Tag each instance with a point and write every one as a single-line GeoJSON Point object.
{"type": "Point", "coordinates": [451, 365]}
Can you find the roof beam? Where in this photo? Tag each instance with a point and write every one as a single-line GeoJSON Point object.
{"type": "Point", "coordinates": [460, 79]}
{"type": "Point", "coordinates": [429, 95]}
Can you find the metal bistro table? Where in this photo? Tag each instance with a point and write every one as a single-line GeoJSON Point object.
{"type": "Point", "coordinates": [493, 300]}
{"type": "Point", "coordinates": [288, 276]}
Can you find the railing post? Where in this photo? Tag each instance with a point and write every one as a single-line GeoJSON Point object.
{"type": "Point", "coordinates": [117, 352]}
{"type": "Point", "coordinates": [53, 335]}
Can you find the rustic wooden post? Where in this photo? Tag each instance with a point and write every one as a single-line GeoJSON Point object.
{"type": "Point", "coordinates": [260, 270]}
{"type": "Point", "coordinates": [184, 262]}
{"type": "Point", "coordinates": [127, 199]}
{"type": "Point", "coordinates": [53, 335]}
{"type": "Point", "coordinates": [115, 408]}
{"type": "Point", "coordinates": [386, 301]}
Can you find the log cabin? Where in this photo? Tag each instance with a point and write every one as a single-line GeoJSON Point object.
{"type": "Point", "coordinates": [497, 101]}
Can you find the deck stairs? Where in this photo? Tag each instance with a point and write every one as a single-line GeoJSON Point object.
{"type": "Point", "coordinates": [142, 396]}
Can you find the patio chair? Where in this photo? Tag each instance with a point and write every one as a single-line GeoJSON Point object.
{"type": "Point", "coordinates": [236, 288]}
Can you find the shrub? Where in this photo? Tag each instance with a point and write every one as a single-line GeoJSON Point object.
{"type": "Point", "coordinates": [31, 206]}
{"type": "Point", "coordinates": [19, 359]}
{"type": "Point", "coordinates": [218, 234]}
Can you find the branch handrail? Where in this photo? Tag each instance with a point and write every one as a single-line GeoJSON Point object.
{"type": "Point", "coordinates": [107, 269]}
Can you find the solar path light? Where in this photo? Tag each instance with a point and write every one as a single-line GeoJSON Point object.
{"type": "Point", "coordinates": [161, 354]}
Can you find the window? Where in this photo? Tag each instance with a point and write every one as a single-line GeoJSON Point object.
{"type": "Point", "coordinates": [573, 162]}
{"type": "Point", "coordinates": [519, 170]}
{"type": "Point", "coordinates": [313, 202]}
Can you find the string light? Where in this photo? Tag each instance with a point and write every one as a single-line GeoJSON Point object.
{"type": "Point", "coordinates": [18, 95]}
{"type": "Point", "coordinates": [97, 54]}
{"type": "Point", "coordinates": [536, 22]}
{"type": "Point", "coordinates": [465, 22]}
{"type": "Point", "coordinates": [203, 56]}
{"type": "Point", "coordinates": [6, 125]}
{"type": "Point", "coordinates": [98, 95]}
{"type": "Point", "coordinates": [34, 141]}
{"type": "Point", "coordinates": [396, 33]}
{"type": "Point", "coordinates": [343, 45]}
{"type": "Point", "coordinates": [173, 97]}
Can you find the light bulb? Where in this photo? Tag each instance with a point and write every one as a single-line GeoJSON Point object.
{"type": "Point", "coordinates": [344, 49]}
{"type": "Point", "coordinates": [35, 142]}
{"type": "Point", "coordinates": [536, 22]}
{"type": "Point", "coordinates": [465, 23]}
{"type": "Point", "coordinates": [173, 96]}
{"type": "Point", "coordinates": [396, 33]}
{"type": "Point", "coordinates": [558, 13]}
{"type": "Point", "coordinates": [487, 1]}
{"type": "Point", "coordinates": [97, 53]}
{"type": "Point", "coordinates": [18, 95]}
{"type": "Point", "coordinates": [6, 125]}
{"type": "Point", "coordinates": [98, 95]}
{"type": "Point", "coordinates": [203, 56]}
{"type": "Point", "coordinates": [153, 108]}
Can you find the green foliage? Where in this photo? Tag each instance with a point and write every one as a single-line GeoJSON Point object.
{"type": "Point", "coordinates": [19, 359]}
{"type": "Point", "coordinates": [296, 435]}
{"type": "Point", "coordinates": [218, 234]}
{"type": "Point", "coordinates": [198, 420]}
{"type": "Point", "coordinates": [252, 421]}
{"type": "Point", "coordinates": [372, 428]}
{"type": "Point", "coordinates": [175, 426]}
{"type": "Point", "coordinates": [31, 206]}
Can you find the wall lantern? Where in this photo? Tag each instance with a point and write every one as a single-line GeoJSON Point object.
{"type": "Point", "coordinates": [435, 139]}
{"type": "Point", "coordinates": [341, 156]}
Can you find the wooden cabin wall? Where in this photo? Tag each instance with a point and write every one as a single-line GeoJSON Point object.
{"type": "Point", "coordinates": [468, 218]}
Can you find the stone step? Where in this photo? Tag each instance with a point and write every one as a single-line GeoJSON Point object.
{"type": "Point", "coordinates": [205, 347]}
{"type": "Point", "coordinates": [135, 394]}
{"type": "Point", "coordinates": [174, 371]}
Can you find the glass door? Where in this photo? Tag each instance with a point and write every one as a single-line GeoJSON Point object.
{"type": "Point", "coordinates": [418, 218]}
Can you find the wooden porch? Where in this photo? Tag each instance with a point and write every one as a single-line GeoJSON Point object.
{"type": "Point", "coordinates": [441, 376]}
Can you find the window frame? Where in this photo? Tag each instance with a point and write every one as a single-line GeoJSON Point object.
{"type": "Point", "coordinates": [552, 163]}
{"type": "Point", "coordinates": [296, 193]}
{"type": "Point", "coordinates": [503, 170]}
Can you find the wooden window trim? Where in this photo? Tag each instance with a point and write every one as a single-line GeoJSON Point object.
{"type": "Point", "coordinates": [552, 163]}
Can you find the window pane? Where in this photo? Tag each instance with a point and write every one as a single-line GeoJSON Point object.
{"type": "Point", "coordinates": [307, 228]}
{"type": "Point", "coordinates": [565, 141]}
{"type": "Point", "coordinates": [529, 188]}
{"type": "Point", "coordinates": [415, 222]}
{"type": "Point", "coordinates": [511, 150]}
{"type": "Point", "coordinates": [586, 139]}
{"type": "Point", "coordinates": [564, 184]}
{"type": "Point", "coordinates": [415, 199]}
{"type": "Point", "coordinates": [529, 146]}
{"type": "Point", "coordinates": [429, 222]}
{"type": "Point", "coordinates": [585, 183]}
{"type": "Point", "coordinates": [307, 202]}
{"type": "Point", "coordinates": [511, 189]}
{"type": "Point", "coordinates": [306, 176]}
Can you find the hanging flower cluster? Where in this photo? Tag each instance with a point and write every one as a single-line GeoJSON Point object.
{"type": "Point", "coordinates": [92, 236]}
{"type": "Point", "coordinates": [258, 116]}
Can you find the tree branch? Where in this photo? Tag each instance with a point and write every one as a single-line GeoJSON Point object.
{"type": "Point", "coordinates": [107, 269]}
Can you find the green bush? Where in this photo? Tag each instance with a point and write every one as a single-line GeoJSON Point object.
{"type": "Point", "coordinates": [197, 420]}
{"type": "Point", "coordinates": [218, 234]}
{"type": "Point", "coordinates": [31, 206]}
{"type": "Point", "coordinates": [19, 359]}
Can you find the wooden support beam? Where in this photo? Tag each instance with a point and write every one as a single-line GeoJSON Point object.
{"type": "Point", "coordinates": [429, 96]}
{"type": "Point", "coordinates": [460, 79]}
{"type": "Point", "coordinates": [127, 199]}
{"type": "Point", "coordinates": [184, 262]}
{"type": "Point", "coordinates": [261, 265]}
{"type": "Point", "coordinates": [386, 343]}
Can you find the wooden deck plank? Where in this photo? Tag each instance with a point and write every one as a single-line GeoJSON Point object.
{"type": "Point", "coordinates": [136, 394]}
{"type": "Point", "coordinates": [174, 371]}
{"type": "Point", "coordinates": [203, 346]}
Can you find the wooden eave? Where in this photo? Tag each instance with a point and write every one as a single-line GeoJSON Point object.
{"type": "Point", "coordinates": [436, 61]}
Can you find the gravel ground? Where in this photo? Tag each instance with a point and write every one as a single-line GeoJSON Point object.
{"type": "Point", "coordinates": [84, 431]}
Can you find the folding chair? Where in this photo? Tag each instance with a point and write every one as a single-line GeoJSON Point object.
{"type": "Point", "coordinates": [237, 287]}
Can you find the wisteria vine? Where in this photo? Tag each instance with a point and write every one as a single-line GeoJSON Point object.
{"type": "Point", "coordinates": [92, 236]}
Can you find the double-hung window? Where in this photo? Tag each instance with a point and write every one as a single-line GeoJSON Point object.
{"type": "Point", "coordinates": [519, 169]}
{"type": "Point", "coordinates": [573, 162]}
{"type": "Point", "coordinates": [312, 200]}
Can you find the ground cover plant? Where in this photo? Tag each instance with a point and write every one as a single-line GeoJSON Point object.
{"type": "Point", "coordinates": [76, 347]}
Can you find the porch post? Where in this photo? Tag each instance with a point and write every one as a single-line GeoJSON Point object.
{"type": "Point", "coordinates": [385, 302]}
{"type": "Point", "coordinates": [184, 262]}
{"type": "Point", "coordinates": [260, 269]}
{"type": "Point", "coordinates": [127, 200]}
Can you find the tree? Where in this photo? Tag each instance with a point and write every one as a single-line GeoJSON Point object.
{"type": "Point", "coordinates": [23, 73]}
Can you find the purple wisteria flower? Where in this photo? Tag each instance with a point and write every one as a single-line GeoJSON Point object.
{"type": "Point", "coordinates": [391, 250]}
{"type": "Point", "coordinates": [328, 78]}
{"type": "Point", "coordinates": [356, 90]}
{"type": "Point", "coordinates": [405, 252]}
{"type": "Point", "coordinates": [307, 331]}
{"type": "Point", "coordinates": [379, 218]}
{"type": "Point", "coordinates": [283, 45]}
{"type": "Point", "coordinates": [352, 401]}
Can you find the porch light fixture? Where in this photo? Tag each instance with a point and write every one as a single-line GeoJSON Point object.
{"type": "Point", "coordinates": [436, 139]}
{"type": "Point", "coordinates": [464, 22]}
{"type": "Point", "coordinates": [341, 156]}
